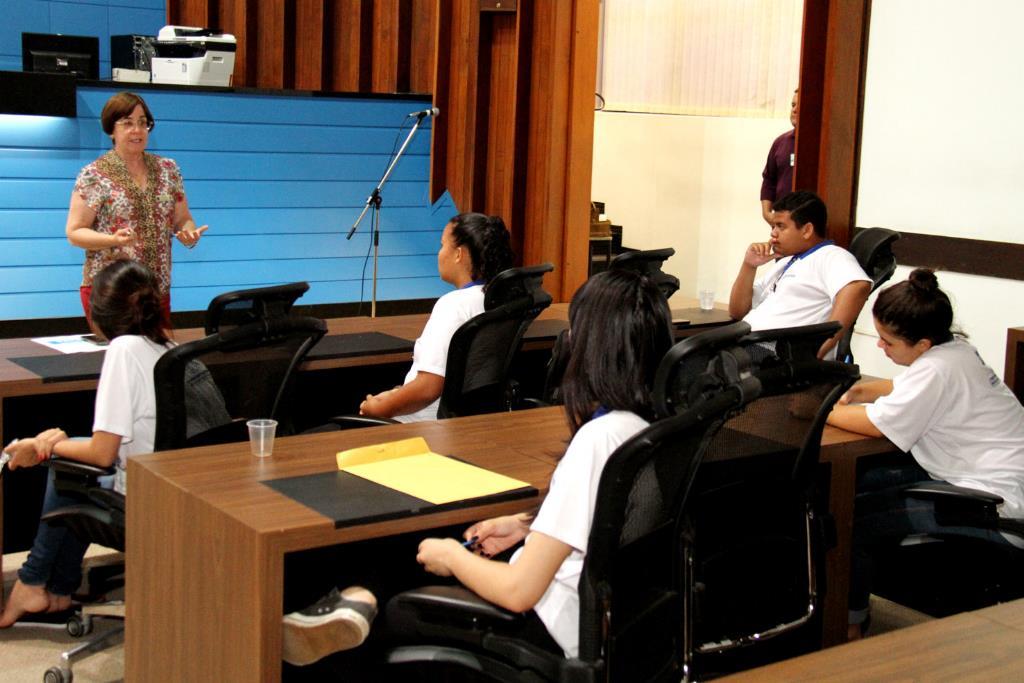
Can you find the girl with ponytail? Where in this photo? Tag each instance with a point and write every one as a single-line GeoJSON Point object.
{"type": "Point", "coordinates": [948, 410]}
{"type": "Point", "coordinates": [474, 249]}
{"type": "Point", "coordinates": [126, 310]}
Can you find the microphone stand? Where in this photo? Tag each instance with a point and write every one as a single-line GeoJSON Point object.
{"type": "Point", "coordinates": [374, 202]}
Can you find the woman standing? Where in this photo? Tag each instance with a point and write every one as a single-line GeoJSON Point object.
{"type": "Point", "coordinates": [127, 204]}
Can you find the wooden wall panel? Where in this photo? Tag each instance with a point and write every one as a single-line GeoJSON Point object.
{"type": "Point", "coordinates": [386, 31]}
{"type": "Point", "coordinates": [423, 30]}
{"type": "Point", "coordinates": [499, 168]}
{"type": "Point", "coordinates": [351, 25]}
{"type": "Point", "coordinates": [310, 32]}
{"type": "Point", "coordinates": [180, 12]}
{"type": "Point", "coordinates": [238, 17]}
{"type": "Point", "coordinates": [275, 44]}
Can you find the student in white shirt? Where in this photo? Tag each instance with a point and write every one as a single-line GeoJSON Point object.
{"type": "Point", "coordinates": [474, 249]}
{"type": "Point", "coordinates": [812, 281]}
{"type": "Point", "coordinates": [951, 413]}
{"type": "Point", "coordinates": [126, 309]}
{"type": "Point", "coordinates": [619, 329]}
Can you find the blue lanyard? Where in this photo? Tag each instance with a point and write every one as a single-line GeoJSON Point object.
{"type": "Point", "coordinates": [601, 410]}
{"type": "Point", "coordinates": [794, 259]}
{"type": "Point", "coordinates": [473, 283]}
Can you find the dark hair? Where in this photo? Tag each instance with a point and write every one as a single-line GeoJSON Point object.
{"type": "Point", "coordinates": [916, 309]}
{"type": "Point", "coordinates": [487, 240]}
{"type": "Point", "coordinates": [619, 329]}
{"type": "Point", "coordinates": [120, 105]}
{"type": "Point", "coordinates": [804, 207]}
{"type": "Point", "coordinates": [126, 299]}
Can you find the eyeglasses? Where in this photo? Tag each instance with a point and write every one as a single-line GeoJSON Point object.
{"type": "Point", "coordinates": [127, 124]}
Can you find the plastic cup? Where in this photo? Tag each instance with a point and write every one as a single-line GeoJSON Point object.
{"type": "Point", "coordinates": [707, 299]}
{"type": "Point", "coordinates": [261, 437]}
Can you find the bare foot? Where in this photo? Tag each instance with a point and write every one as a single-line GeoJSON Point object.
{"type": "Point", "coordinates": [24, 600]}
{"type": "Point", "coordinates": [58, 603]}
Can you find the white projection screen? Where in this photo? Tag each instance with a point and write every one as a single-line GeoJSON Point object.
{"type": "Point", "coordinates": [942, 151]}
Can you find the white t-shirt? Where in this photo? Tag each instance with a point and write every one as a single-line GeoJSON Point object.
{"type": "Point", "coordinates": [961, 423]}
{"type": "Point", "coordinates": [126, 398]}
{"type": "Point", "coordinates": [430, 354]}
{"type": "Point", "coordinates": [567, 514]}
{"type": "Point", "coordinates": [803, 293]}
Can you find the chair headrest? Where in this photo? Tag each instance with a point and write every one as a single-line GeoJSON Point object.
{"type": "Point", "coordinates": [700, 366]}
{"type": "Point", "coordinates": [517, 283]}
{"type": "Point", "coordinates": [872, 247]}
{"type": "Point", "coordinates": [253, 304]}
{"type": "Point", "coordinates": [649, 263]}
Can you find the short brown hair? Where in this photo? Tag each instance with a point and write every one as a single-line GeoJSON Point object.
{"type": "Point", "coordinates": [119, 106]}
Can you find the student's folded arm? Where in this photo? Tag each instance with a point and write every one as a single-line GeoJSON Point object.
{"type": "Point", "coordinates": [853, 419]}
{"type": "Point", "coordinates": [101, 450]}
{"type": "Point", "coordinates": [423, 390]}
{"type": "Point", "coordinates": [516, 587]}
{"type": "Point", "coordinates": [849, 300]}
{"type": "Point", "coordinates": [741, 297]}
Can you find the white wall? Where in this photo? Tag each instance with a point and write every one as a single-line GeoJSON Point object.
{"type": "Point", "coordinates": [687, 182]}
{"type": "Point", "coordinates": [943, 148]}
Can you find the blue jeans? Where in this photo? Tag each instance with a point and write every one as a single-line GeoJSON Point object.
{"type": "Point", "coordinates": [883, 516]}
{"type": "Point", "coordinates": [55, 560]}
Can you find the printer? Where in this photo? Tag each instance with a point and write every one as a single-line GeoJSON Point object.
{"type": "Point", "coordinates": [188, 55]}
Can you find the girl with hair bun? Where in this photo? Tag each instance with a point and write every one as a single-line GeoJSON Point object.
{"type": "Point", "coordinates": [474, 249]}
{"type": "Point", "coordinates": [948, 410]}
{"type": "Point", "coordinates": [126, 309]}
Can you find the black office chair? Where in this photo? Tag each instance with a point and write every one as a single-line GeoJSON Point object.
{"type": "Point", "coordinates": [250, 367]}
{"type": "Point", "coordinates": [631, 608]}
{"type": "Point", "coordinates": [975, 573]}
{"type": "Point", "coordinates": [759, 527]}
{"type": "Point", "coordinates": [872, 247]}
{"type": "Point", "coordinates": [482, 349]}
{"type": "Point", "coordinates": [649, 263]}
{"type": "Point", "coordinates": [243, 306]}
{"type": "Point", "coordinates": [205, 391]}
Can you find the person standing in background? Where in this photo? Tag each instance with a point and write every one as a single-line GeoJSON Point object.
{"type": "Point", "coordinates": [129, 203]}
{"type": "Point", "coordinates": [777, 177]}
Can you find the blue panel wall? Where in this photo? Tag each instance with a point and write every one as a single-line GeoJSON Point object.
{"type": "Point", "coordinates": [100, 18]}
{"type": "Point", "coordinates": [279, 180]}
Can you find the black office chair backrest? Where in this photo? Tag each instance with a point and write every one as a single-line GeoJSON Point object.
{"type": "Point", "coordinates": [758, 521]}
{"type": "Point", "coordinates": [872, 247]}
{"type": "Point", "coordinates": [208, 388]}
{"type": "Point", "coordinates": [649, 263]}
{"type": "Point", "coordinates": [244, 306]}
{"type": "Point", "coordinates": [632, 608]}
{"type": "Point", "coordinates": [481, 350]}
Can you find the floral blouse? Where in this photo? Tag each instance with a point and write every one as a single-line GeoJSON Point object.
{"type": "Point", "coordinates": [108, 189]}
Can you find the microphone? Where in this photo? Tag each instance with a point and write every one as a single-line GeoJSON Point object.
{"type": "Point", "coordinates": [433, 111]}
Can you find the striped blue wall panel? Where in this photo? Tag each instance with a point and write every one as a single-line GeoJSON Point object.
{"type": "Point", "coordinates": [100, 18]}
{"type": "Point", "coordinates": [279, 179]}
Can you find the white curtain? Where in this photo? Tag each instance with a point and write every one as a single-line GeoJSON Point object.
{"type": "Point", "coordinates": [700, 57]}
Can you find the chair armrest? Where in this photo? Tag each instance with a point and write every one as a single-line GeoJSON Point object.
{"type": "Point", "coordinates": [359, 421]}
{"type": "Point", "coordinates": [957, 505]}
{"type": "Point", "coordinates": [940, 491]}
{"type": "Point", "coordinates": [73, 467]}
{"type": "Point", "coordinates": [451, 602]}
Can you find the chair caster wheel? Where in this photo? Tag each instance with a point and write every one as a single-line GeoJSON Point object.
{"type": "Point", "coordinates": [78, 627]}
{"type": "Point", "coordinates": [57, 675]}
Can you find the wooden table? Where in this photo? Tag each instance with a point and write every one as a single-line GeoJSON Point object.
{"type": "Point", "coordinates": [207, 540]}
{"type": "Point", "coordinates": [974, 646]}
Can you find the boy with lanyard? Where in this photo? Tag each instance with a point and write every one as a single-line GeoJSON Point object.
{"type": "Point", "coordinates": [812, 281]}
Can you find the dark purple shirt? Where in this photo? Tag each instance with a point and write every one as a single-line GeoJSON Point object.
{"type": "Point", "coordinates": [778, 170]}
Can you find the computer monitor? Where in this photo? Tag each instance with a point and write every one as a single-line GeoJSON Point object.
{"type": "Point", "coordinates": [56, 53]}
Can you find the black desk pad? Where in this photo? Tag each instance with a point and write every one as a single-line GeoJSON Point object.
{"type": "Point", "coordinates": [358, 344]}
{"type": "Point", "coordinates": [545, 329]}
{"type": "Point", "coordinates": [350, 500]}
{"type": "Point", "coordinates": [66, 367]}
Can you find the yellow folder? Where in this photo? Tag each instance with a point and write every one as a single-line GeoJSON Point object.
{"type": "Point", "coordinates": [409, 466]}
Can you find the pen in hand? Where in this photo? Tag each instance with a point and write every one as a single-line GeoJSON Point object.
{"type": "Point", "coordinates": [5, 456]}
{"type": "Point", "coordinates": [470, 542]}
